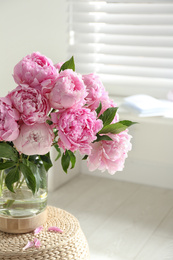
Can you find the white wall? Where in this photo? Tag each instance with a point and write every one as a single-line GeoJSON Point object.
{"type": "Point", "coordinates": [27, 26]}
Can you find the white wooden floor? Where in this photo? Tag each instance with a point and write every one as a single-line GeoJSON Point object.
{"type": "Point", "coordinates": [122, 221]}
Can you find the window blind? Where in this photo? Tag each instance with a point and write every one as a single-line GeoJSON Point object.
{"type": "Point", "coordinates": [128, 43]}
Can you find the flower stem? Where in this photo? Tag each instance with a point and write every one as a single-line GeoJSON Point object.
{"type": "Point", "coordinates": [8, 203]}
{"type": "Point", "coordinates": [21, 182]}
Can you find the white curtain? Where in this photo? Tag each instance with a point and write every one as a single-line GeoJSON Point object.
{"type": "Point", "coordinates": [128, 43]}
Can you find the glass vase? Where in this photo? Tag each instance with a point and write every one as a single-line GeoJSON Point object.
{"type": "Point", "coordinates": [22, 203]}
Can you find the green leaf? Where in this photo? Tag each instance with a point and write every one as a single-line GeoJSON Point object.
{"type": "Point", "coordinates": [85, 157]}
{"type": "Point", "coordinates": [65, 161]}
{"type": "Point", "coordinates": [34, 158]}
{"type": "Point", "coordinates": [12, 177]}
{"type": "Point", "coordinates": [34, 168]}
{"type": "Point", "coordinates": [49, 122]}
{"type": "Point", "coordinates": [72, 158]}
{"type": "Point", "coordinates": [102, 137]}
{"type": "Point", "coordinates": [46, 161]}
{"type": "Point", "coordinates": [6, 171]}
{"type": "Point", "coordinates": [7, 165]}
{"type": "Point", "coordinates": [127, 122]}
{"type": "Point", "coordinates": [117, 127]}
{"type": "Point", "coordinates": [99, 109]}
{"type": "Point", "coordinates": [8, 152]}
{"type": "Point", "coordinates": [58, 150]}
{"type": "Point", "coordinates": [40, 174]}
{"type": "Point", "coordinates": [29, 177]}
{"type": "Point", "coordinates": [108, 115]}
{"type": "Point", "coordinates": [68, 65]}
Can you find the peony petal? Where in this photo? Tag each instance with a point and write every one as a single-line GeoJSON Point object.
{"type": "Point", "coordinates": [28, 245]}
{"type": "Point", "coordinates": [56, 229]}
{"type": "Point", "coordinates": [38, 230]}
{"type": "Point", "coordinates": [37, 242]}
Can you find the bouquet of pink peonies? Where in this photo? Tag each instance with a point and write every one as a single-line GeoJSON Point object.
{"type": "Point", "coordinates": [53, 105]}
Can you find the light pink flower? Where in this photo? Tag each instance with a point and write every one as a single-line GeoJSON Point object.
{"type": "Point", "coordinates": [34, 139]}
{"type": "Point", "coordinates": [36, 71]}
{"type": "Point", "coordinates": [110, 155]}
{"type": "Point", "coordinates": [55, 229]}
{"type": "Point", "coordinates": [31, 104]}
{"type": "Point", "coordinates": [68, 91]}
{"type": "Point", "coordinates": [95, 89]}
{"type": "Point", "coordinates": [9, 129]}
{"type": "Point", "coordinates": [77, 128]}
{"type": "Point", "coordinates": [38, 230]}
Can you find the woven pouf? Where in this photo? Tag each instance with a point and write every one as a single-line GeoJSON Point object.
{"type": "Point", "coordinates": [71, 244]}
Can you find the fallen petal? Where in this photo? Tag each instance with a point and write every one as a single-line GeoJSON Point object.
{"type": "Point", "coordinates": [37, 242]}
{"type": "Point", "coordinates": [28, 245]}
{"type": "Point", "coordinates": [37, 230]}
{"type": "Point", "coordinates": [56, 229]}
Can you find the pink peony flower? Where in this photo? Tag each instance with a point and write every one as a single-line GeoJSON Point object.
{"type": "Point", "coordinates": [9, 129]}
{"type": "Point", "coordinates": [110, 155]}
{"type": "Point", "coordinates": [32, 106]}
{"type": "Point", "coordinates": [36, 71]}
{"type": "Point", "coordinates": [69, 90]}
{"type": "Point", "coordinates": [77, 128]}
{"type": "Point", "coordinates": [34, 139]}
{"type": "Point", "coordinates": [95, 89]}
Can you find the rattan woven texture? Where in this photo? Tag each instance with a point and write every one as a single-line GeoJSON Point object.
{"type": "Point", "coordinates": [70, 245]}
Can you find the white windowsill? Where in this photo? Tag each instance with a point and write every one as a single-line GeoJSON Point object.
{"type": "Point", "coordinates": [129, 115]}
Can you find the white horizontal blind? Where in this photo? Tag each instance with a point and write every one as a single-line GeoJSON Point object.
{"type": "Point", "coordinates": [128, 43]}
